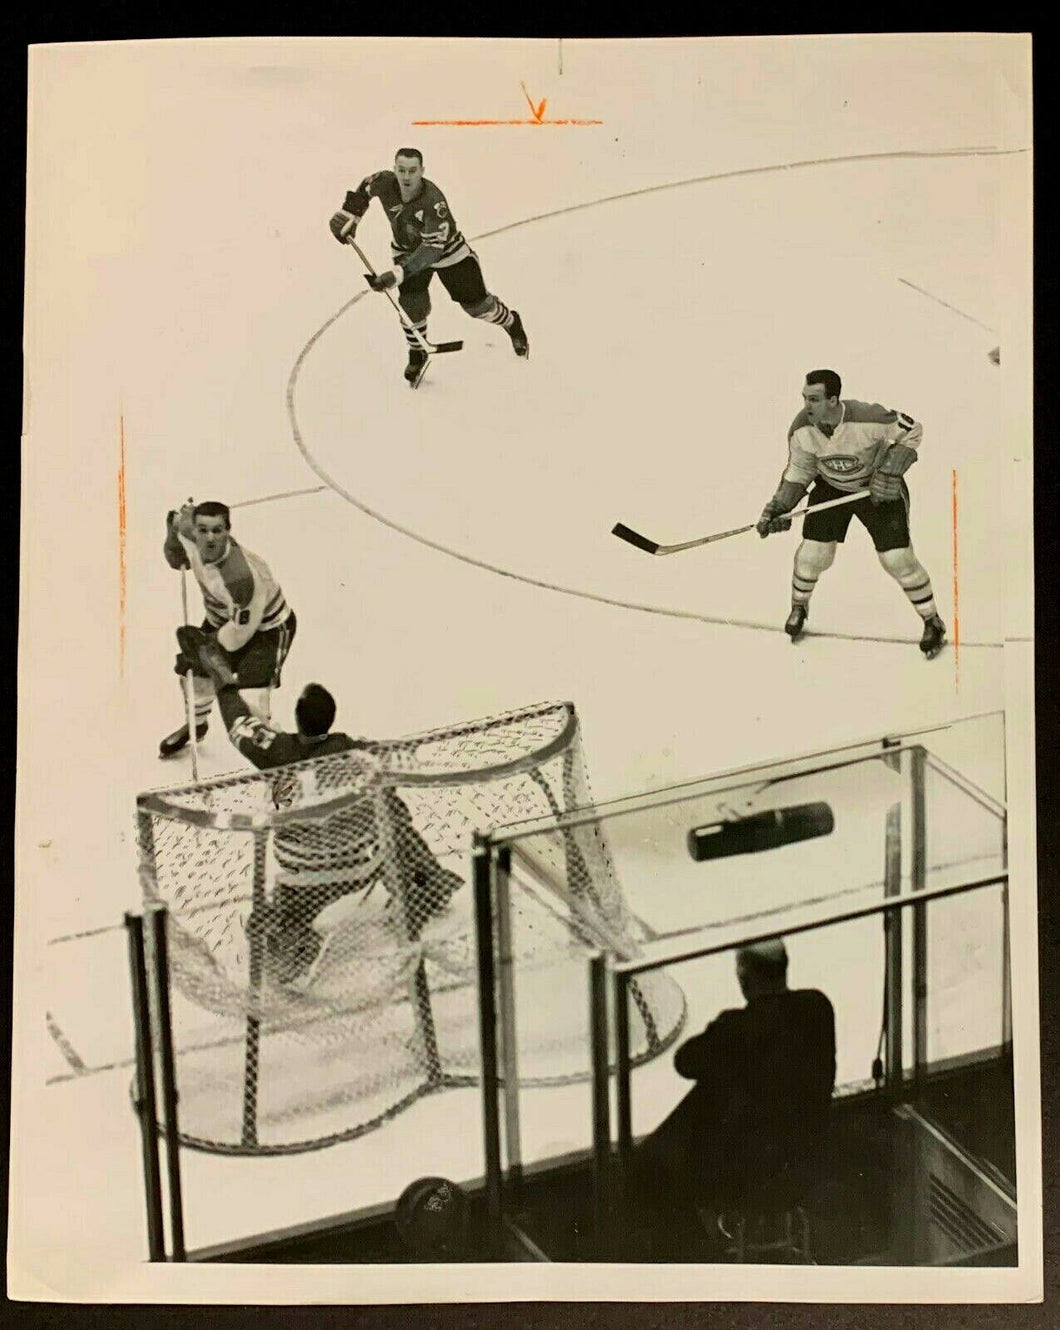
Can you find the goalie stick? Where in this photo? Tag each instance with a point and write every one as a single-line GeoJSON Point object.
{"type": "Point", "coordinates": [626, 533]}
{"type": "Point", "coordinates": [431, 348]}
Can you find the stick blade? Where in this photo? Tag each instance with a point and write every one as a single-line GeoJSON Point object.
{"type": "Point", "coordinates": [632, 537]}
{"type": "Point", "coordinates": [442, 347]}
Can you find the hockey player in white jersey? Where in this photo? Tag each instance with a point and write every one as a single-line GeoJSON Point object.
{"type": "Point", "coordinates": [245, 608]}
{"type": "Point", "coordinates": [842, 447]}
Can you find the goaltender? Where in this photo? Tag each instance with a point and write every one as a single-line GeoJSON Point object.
{"type": "Point", "coordinates": [341, 858]}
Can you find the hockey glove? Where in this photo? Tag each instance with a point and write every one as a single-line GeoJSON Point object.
{"type": "Point", "coordinates": [343, 226]}
{"type": "Point", "coordinates": [182, 520]}
{"type": "Point", "coordinates": [201, 651]}
{"type": "Point", "coordinates": [886, 483]}
{"type": "Point", "coordinates": [214, 660]}
{"type": "Point", "coordinates": [773, 520]}
{"type": "Point", "coordinates": [188, 640]}
{"type": "Point", "coordinates": [176, 555]}
{"type": "Point", "coordinates": [381, 281]}
{"type": "Point", "coordinates": [884, 488]}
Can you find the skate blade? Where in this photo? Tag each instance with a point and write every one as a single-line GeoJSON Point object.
{"type": "Point", "coordinates": [415, 383]}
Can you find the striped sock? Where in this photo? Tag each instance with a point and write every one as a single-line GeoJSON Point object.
{"type": "Point", "coordinates": [802, 589]}
{"type": "Point", "coordinates": [498, 312]}
{"type": "Point", "coordinates": [202, 697]}
{"type": "Point", "coordinates": [917, 586]}
{"type": "Point", "coordinates": [410, 334]}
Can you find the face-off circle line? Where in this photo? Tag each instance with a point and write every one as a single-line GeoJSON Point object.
{"type": "Point", "coordinates": [469, 559]}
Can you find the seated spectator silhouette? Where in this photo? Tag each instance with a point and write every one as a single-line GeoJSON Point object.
{"type": "Point", "coordinates": [751, 1127]}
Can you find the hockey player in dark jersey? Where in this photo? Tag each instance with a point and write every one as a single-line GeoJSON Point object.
{"type": "Point", "coordinates": [340, 858]}
{"type": "Point", "coordinates": [426, 239]}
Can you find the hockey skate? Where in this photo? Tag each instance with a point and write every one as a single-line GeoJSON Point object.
{"type": "Point", "coordinates": [520, 343]}
{"type": "Point", "coordinates": [417, 367]}
{"type": "Point", "coordinates": [795, 621]}
{"type": "Point", "coordinates": [173, 743]}
{"type": "Point", "coordinates": [934, 637]}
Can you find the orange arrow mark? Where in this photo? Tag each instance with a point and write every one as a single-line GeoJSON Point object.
{"type": "Point", "coordinates": [536, 111]}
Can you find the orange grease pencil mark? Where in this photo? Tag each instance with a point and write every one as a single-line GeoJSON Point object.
{"type": "Point", "coordinates": [536, 111]}
{"type": "Point", "coordinates": [121, 546]}
{"type": "Point", "coordinates": [956, 601]}
{"type": "Point", "coordinates": [537, 114]}
{"type": "Point", "coordinates": [508, 122]}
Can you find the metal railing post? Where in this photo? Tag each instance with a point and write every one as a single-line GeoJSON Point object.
{"type": "Point", "coordinates": [623, 1070]}
{"type": "Point", "coordinates": [892, 934]}
{"type": "Point", "coordinates": [167, 1063]}
{"type": "Point", "coordinates": [1006, 940]}
{"type": "Point", "coordinates": [506, 999]}
{"type": "Point", "coordinates": [598, 1042]}
{"type": "Point", "coordinates": [146, 1109]}
{"type": "Point", "coordinates": [481, 859]}
{"type": "Point", "coordinates": [918, 875]}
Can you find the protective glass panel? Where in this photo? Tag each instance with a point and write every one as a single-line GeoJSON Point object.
{"type": "Point", "coordinates": [787, 845]}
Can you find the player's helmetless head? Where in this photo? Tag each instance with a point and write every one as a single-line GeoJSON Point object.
{"type": "Point", "coordinates": [314, 711]}
{"type": "Point", "coordinates": [408, 167]}
{"type": "Point", "coordinates": [211, 527]}
{"type": "Point", "coordinates": [821, 394]}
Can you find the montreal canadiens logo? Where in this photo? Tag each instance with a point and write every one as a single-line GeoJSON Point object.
{"type": "Point", "coordinates": [842, 465]}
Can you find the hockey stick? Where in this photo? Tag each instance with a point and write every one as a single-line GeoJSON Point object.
{"type": "Point", "coordinates": [626, 533]}
{"type": "Point", "coordinates": [189, 687]}
{"type": "Point", "coordinates": [431, 348]}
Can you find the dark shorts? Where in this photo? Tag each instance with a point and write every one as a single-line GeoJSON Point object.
{"type": "Point", "coordinates": [886, 523]}
{"type": "Point", "coordinates": [462, 280]}
{"type": "Point", "coordinates": [257, 664]}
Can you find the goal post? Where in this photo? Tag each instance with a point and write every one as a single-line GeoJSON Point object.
{"type": "Point", "coordinates": [321, 929]}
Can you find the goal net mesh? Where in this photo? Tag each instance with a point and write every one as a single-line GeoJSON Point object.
{"type": "Point", "coordinates": [321, 929]}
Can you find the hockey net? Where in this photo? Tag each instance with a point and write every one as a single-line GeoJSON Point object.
{"type": "Point", "coordinates": [321, 938]}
